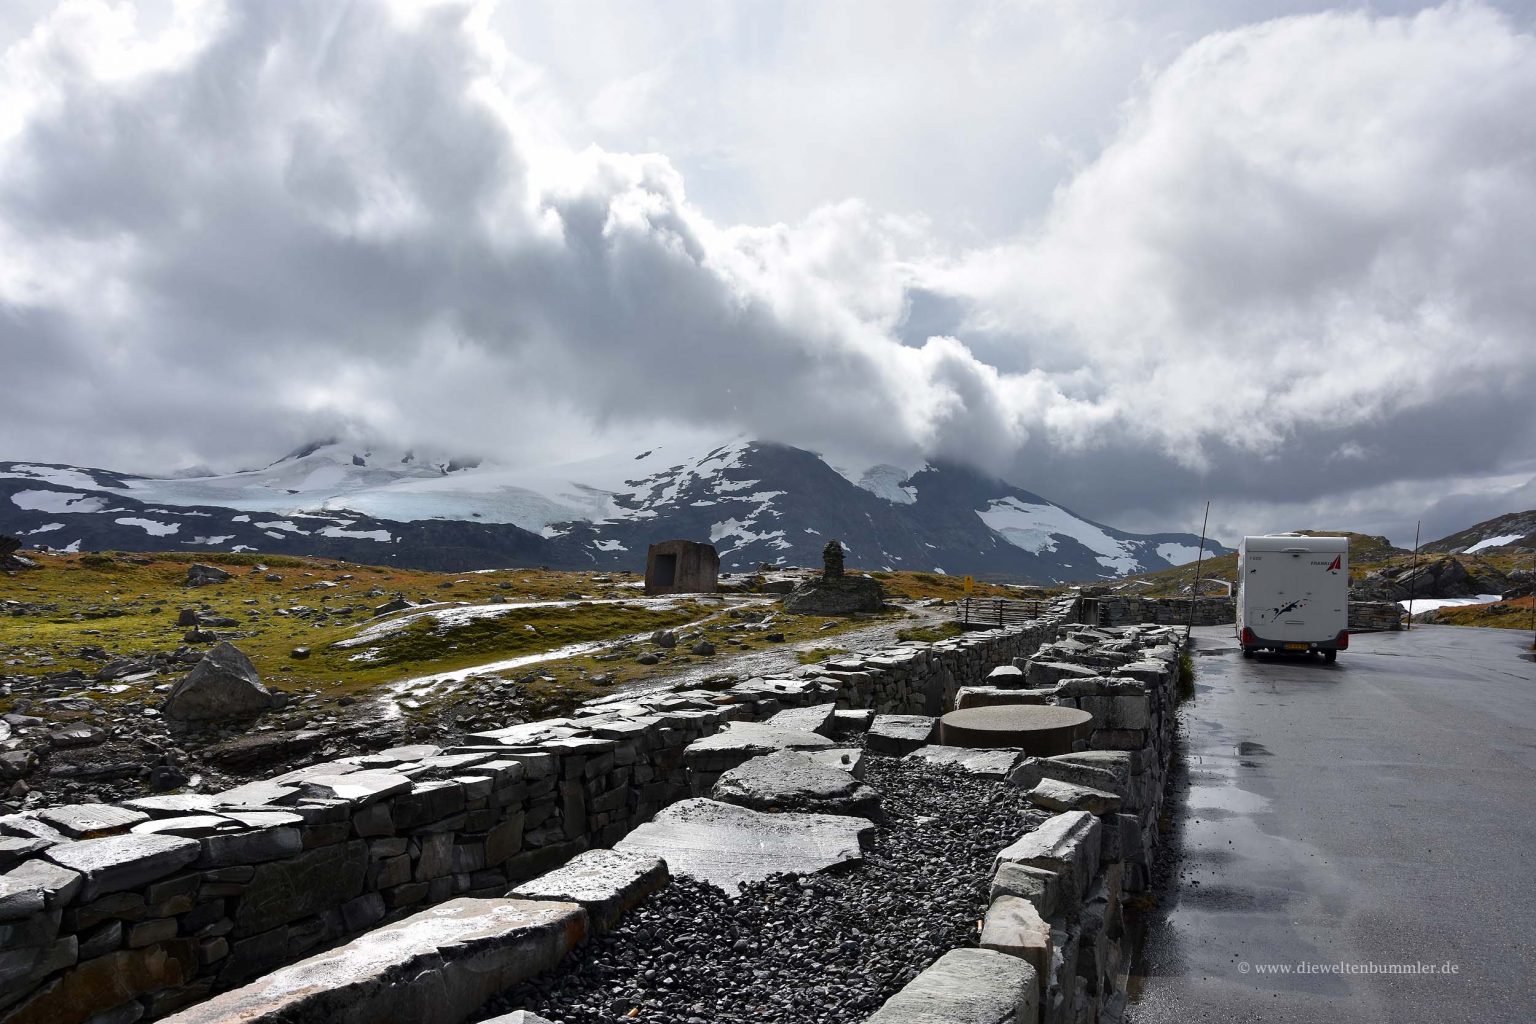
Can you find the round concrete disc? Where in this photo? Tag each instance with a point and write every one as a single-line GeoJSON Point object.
{"type": "Point", "coordinates": [1039, 731]}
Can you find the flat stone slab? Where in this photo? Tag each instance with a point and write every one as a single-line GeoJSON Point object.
{"type": "Point", "coordinates": [899, 734]}
{"type": "Point", "coordinates": [193, 826]}
{"type": "Point", "coordinates": [852, 720]}
{"type": "Point", "coordinates": [739, 741]}
{"type": "Point", "coordinates": [1014, 926]}
{"type": "Point", "coordinates": [818, 719]}
{"type": "Point", "coordinates": [727, 845]}
{"type": "Point", "coordinates": [966, 986]}
{"type": "Point", "coordinates": [759, 738]}
{"type": "Point", "coordinates": [435, 967]}
{"type": "Point", "coordinates": [848, 759]}
{"type": "Point", "coordinates": [1032, 770]}
{"type": "Point", "coordinates": [1068, 844]}
{"type": "Point", "coordinates": [115, 863]}
{"type": "Point", "coordinates": [89, 821]}
{"type": "Point", "coordinates": [990, 696]}
{"type": "Point", "coordinates": [1055, 795]}
{"type": "Point", "coordinates": [608, 883]}
{"type": "Point", "coordinates": [1006, 676]}
{"type": "Point", "coordinates": [788, 780]}
{"type": "Point", "coordinates": [361, 788]}
{"type": "Point", "coordinates": [1040, 731]}
{"type": "Point", "coordinates": [173, 805]}
{"type": "Point", "coordinates": [989, 764]}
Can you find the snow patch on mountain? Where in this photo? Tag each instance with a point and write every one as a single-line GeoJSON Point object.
{"type": "Point", "coordinates": [56, 501]}
{"type": "Point", "coordinates": [1178, 554]}
{"type": "Point", "coordinates": [888, 482]}
{"type": "Point", "coordinates": [1036, 527]}
{"type": "Point", "coordinates": [1494, 542]}
{"type": "Point", "coordinates": [149, 526]}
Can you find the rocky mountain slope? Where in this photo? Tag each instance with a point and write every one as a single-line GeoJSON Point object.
{"type": "Point", "coordinates": [756, 501]}
{"type": "Point", "coordinates": [1504, 533]}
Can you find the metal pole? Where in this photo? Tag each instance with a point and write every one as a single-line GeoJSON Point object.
{"type": "Point", "coordinates": [1199, 561]}
{"type": "Point", "coordinates": [1412, 573]}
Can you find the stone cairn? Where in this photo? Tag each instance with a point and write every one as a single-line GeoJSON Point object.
{"type": "Point", "coordinates": [832, 560]}
{"type": "Point", "coordinates": [835, 593]}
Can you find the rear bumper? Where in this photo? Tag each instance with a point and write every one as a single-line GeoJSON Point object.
{"type": "Point", "coordinates": [1251, 641]}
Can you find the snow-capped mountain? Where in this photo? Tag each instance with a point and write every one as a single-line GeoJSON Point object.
{"type": "Point", "coordinates": [756, 501]}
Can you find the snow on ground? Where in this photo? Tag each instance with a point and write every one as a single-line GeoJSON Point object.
{"type": "Point", "coordinates": [422, 686]}
{"type": "Point", "coordinates": [211, 541]}
{"type": "Point", "coordinates": [1035, 528]}
{"type": "Point", "coordinates": [382, 536]}
{"type": "Point", "coordinates": [56, 501]}
{"type": "Point", "coordinates": [149, 526]}
{"type": "Point", "coordinates": [1426, 604]}
{"type": "Point", "coordinates": [1178, 554]}
{"type": "Point", "coordinates": [453, 616]}
{"type": "Point", "coordinates": [46, 528]}
{"type": "Point", "coordinates": [1493, 542]}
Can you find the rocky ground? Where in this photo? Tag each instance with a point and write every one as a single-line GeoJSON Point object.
{"type": "Point", "coordinates": [90, 726]}
{"type": "Point", "coordinates": [818, 949]}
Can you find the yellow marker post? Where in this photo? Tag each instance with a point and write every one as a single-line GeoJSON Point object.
{"type": "Point", "coordinates": [970, 584]}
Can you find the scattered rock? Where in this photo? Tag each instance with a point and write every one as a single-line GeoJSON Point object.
{"type": "Point", "coordinates": [224, 685]}
{"type": "Point", "coordinates": [199, 575]}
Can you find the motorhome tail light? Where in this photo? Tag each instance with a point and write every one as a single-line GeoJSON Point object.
{"type": "Point", "coordinates": [1343, 639]}
{"type": "Point", "coordinates": [1248, 638]}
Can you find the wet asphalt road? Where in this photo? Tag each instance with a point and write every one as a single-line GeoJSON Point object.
{"type": "Point", "coordinates": [1377, 811]}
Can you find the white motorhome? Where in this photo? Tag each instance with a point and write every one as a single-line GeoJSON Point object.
{"type": "Point", "coordinates": [1293, 594]}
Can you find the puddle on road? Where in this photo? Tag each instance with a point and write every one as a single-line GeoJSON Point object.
{"type": "Point", "coordinates": [1248, 748]}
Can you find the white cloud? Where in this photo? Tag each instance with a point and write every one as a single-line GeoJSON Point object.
{"type": "Point", "coordinates": [1280, 255]}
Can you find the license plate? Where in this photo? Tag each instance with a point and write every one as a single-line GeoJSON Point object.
{"type": "Point", "coordinates": [1295, 647]}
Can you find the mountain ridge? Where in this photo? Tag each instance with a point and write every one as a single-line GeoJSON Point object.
{"type": "Point", "coordinates": [757, 501]}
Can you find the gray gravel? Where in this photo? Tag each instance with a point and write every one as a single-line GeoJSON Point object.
{"type": "Point", "coordinates": [828, 948]}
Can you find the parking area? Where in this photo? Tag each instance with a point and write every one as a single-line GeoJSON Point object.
{"type": "Point", "coordinates": [1337, 826]}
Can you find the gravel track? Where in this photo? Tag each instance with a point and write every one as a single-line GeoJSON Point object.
{"type": "Point", "coordinates": [829, 947]}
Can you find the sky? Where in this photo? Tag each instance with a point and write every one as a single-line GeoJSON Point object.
{"type": "Point", "coordinates": [1130, 256]}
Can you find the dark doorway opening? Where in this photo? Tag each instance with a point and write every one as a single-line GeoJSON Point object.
{"type": "Point", "coordinates": [666, 570]}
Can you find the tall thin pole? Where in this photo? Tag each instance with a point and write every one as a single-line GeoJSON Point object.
{"type": "Point", "coordinates": [1199, 561]}
{"type": "Point", "coordinates": [1413, 583]}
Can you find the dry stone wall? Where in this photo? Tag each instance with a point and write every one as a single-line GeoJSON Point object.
{"type": "Point", "coordinates": [133, 911]}
{"type": "Point", "coordinates": [1052, 943]}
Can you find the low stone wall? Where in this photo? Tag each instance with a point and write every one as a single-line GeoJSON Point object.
{"type": "Point", "coordinates": [142, 908]}
{"type": "Point", "coordinates": [1056, 893]}
{"type": "Point", "coordinates": [1375, 616]}
{"type": "Point", "coordinates": [1165, 611]}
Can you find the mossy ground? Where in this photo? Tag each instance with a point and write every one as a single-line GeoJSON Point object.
{"type": "Point", "coordinates": [127, 604]}
{"type": "Point", "coordinates": [1516, 614]}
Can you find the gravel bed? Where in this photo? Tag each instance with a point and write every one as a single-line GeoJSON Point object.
{"type": "Point", "coordinates": [829, 947]}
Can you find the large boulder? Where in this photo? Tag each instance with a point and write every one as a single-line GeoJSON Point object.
{"type": "Point", "coordinates": [200, 575]}
{"type": "Point", "coordinates": [836, 595]}
{"type": "Point", "coordinates": [223, 685]}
